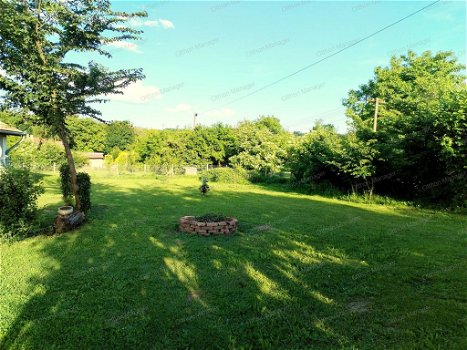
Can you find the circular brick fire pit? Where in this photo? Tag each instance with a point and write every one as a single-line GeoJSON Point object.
{"type": "Point", "coordinates": [191, 225]}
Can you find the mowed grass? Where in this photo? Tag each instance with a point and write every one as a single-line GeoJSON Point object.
{"type": "Point", "coordinates": [301, 272]}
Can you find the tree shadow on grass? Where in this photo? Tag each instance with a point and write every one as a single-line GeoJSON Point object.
{"type": "Point", "coordinates": [299, 273]}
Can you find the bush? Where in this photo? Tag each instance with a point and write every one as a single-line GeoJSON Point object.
{"type": "Point", "coordinates": [84, 187]}
{"type": "Point", "coordinates": [227, 175]}
{"type": "Point", "coordinates": [18, 201]}
{"type": "Point", "coordinates": [65, 184]}
{"type": "Point", "coordinates": [43, 157]}
{"type": "Point", "coordinates": [204, 188]}
{"type": "Point", "coordinates": [278, 178]}
{"type": "Point", "coordinates": [80, 159]}
{"type": "Point", "coordinates": [84, 191]}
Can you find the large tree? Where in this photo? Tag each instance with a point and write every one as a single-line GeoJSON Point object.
{"type": "Point", "coordinates": [87, 134]}
{"type": "Point", "coordinates": [262, 145]}
{"type": "Point", "coordinates": [422, 126]}
{"type": "Point", "coordinates": [120, 134]}
{"type": "Point", "coordinates": [36, 38]}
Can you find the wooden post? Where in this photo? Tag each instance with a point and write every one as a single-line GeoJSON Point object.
{"type": "Point", "coordinates": [377, 102]}
{"type": "Point", "coordinates": [375, 118]}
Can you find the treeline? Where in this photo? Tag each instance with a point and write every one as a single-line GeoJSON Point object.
{"type": "Point", "coordinates": [417, 151]}
{"type": "Point", "coordinates": [419, 147]}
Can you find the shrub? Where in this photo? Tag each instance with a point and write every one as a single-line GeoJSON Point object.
{"type": "Point", "coordinates": [227, 175]}
{"type": "Point", "coordinates": [84, 191]}
{"type": "Point", "coordinates": [43, 157]}
{"type": "Point", "coordinates": [18, 201]}
{"type": "Point", "coordinates": [204, 188]}
{"type": "Point", "coordinates": [65, 184]}
{"type": "Point", "coordinates": [277, 178]}
{"type": "Point", "coordinates": [80, 159]}
{"type": "Point", "coordinates": [84, 187]}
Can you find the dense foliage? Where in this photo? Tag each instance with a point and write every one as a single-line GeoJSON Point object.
{"type": "Point", "coordinates": [65, 184]}
{"type": "Point", "coordinates": [342, 160]}
{"type": "Point", "coordinates": [84, 187]}
{"type": "Point", "coordinates": [418, 150]}
{"type": "Point", "coordinates": [422, 129]}
{"type": "Point", "coordinates": [119, 135]}
{"type": "Point", "coordinates": [87, 135]}
{"type": "Point", "coordinates": [84, 190]}
{"type": "Point", "coordinates": [18, 201]}
{"type": "Point", "coordinates": [262, 146]}
{"type": "Point", "coordinates": [43, 156]}
{"type": "Point", "coordinates": [227, 175]}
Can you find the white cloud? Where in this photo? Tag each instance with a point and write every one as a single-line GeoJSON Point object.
{"type": "Point", "coordinates": [164, 23]}
{"type": "Point", "coordinates": [220, 113]}
{"type": "Point", "coordinates": [126, 45]}
{"type": "Point", "coordinates": [137, 93]}
{"type": "Point", "coordinates": [150, 23]}
{"type": "Point", "coordinates": [181, 107]}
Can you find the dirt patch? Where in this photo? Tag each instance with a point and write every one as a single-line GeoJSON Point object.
{"type": "Point", "coordinates": [359, 306]}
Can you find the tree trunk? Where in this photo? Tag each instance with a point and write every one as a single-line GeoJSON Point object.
{"type": "Point", "coordinates": [71, 165]}
{"type": "Point", "coordinates": [370, 187]}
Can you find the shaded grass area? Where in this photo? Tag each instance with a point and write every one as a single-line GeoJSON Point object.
{"type": "Point", "coordinates": [301, 272]}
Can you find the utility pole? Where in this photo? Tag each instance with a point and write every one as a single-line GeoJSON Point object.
{"type": "Point", "coordinates": [377, 102]}
{"type": "Point", "coordinates": [194, 120]}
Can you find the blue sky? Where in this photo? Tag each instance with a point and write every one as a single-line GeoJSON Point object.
{"type": "Point", "coordinates": [201, 56]}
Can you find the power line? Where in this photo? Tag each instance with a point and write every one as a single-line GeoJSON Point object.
{"type": "Point", "coordinates": [331, 55]}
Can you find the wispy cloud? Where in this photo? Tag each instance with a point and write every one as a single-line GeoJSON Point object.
{"type": "Point", "coordinates": [164, 23]}
{"type": "Point", "coordinates": [149, 23]}
{"type": "Point", "coordinates": [126, 45]}
{"type": "Point", "coordinates": [133, 93]}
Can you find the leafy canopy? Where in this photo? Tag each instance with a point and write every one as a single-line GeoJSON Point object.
{"type": "Point", "coordinates": [35, 38]}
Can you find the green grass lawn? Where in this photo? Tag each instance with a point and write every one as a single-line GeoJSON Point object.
{"type": "Point", "coordinates": [301, 272]}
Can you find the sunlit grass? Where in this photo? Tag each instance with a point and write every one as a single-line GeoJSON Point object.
{"type": "Point", "coordinates": [301, 272]}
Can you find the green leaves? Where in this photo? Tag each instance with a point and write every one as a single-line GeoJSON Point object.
{"type": "Point", "coordinates": [19, 191]}
{"type": "Point", "coordinates": [36, 36]}
{"type": "Point", "coordinates": [262, 145]}
{"type": "Point", "coordinates": [325, 155]}
{"type": "Point", "coordinates": [421, 127]}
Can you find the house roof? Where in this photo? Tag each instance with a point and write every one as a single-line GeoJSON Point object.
{"type": "Point", "coordinates": [93, 155]}
{"type": "Point", "coordinates": [5, 129]}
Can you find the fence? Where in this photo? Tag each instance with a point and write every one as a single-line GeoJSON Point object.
{"type": "Point", "coordinates": [126, 169]}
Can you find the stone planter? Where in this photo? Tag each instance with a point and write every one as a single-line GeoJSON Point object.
{"type": "Point", "coordinates": [65, 210]}
{"type": "Point", "coordinates": [190, 225]}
